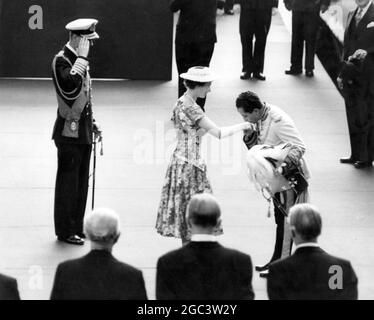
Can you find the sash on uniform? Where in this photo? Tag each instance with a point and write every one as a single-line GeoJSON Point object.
{"type": "Point", "coordinates": [71, 114]}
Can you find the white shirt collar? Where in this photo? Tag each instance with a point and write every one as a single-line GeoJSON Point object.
{"type": "Point", "coordinates": [364, 10]}
{"type": "Point", "coordinates": [307, 244]}
{"type": "Point", "coordinates": [203, 238]}
{"type": "Point", "coordinates": [71, 48]}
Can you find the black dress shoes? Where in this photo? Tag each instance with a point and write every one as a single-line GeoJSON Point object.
{"type": "Point", "coordinates": [349, 160]}
{"type": "Point", "coordinates": [309, 74]}
{"type": "Point", "coordinates": [72, 240]}
{"type": "Point", "coordinates": [264, 274]}
{"type": "Point", "coordinates": [259, 76]}
{"type": "Point", "coordinates": [245, 75]}
{"type": "Point", "coordinates": [229, 12]}
{"type": "Point", "coordinates": [262, 268]}
{"type": "Point", "coordinates": [361, 164]}
{"type": "Point", "coordinates": [293, 72]}
{"type": "Point", "coordinates": [81, 235]}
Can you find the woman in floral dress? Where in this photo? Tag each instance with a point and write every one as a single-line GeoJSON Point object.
{"type": "Point", "coordinates": [186, 174]}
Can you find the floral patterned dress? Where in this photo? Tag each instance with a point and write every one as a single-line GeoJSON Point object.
{"type": "Point", "coordinates": [186, 174]}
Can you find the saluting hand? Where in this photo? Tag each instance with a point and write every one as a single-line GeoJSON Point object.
{"type": "Point", "coordinates": [83, 47]}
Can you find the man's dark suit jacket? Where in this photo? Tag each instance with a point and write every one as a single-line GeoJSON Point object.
{"type": "Point", "coordinates": [306, 275]}
{"type": "Point", "coordinates": [204, 270]}
{"type": "Point", "coordinates": [98, 276]}
{"type": "Point", "coordinates": [8, 288]}
{"type": "Point", "coordinates": [306, 5]}
{"type": "Point", "coordinates": [258, 4]}
{"type": "Point", "coordinates": [197, 20]}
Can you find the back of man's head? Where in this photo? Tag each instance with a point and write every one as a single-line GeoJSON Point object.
{"type": "Point", "coordinates": [306, 222]}
{"type": "Point", "coordinates": [203, 212]}
{"type": "Point", "coordinates": [102, 227]}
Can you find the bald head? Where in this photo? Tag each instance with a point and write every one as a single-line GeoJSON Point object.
{"type": "Point", "coordinates": [306, 221]}
{"type": "Point", "coordinates": [102, 226]}
{"type": "Point", "coordinates": [203, 211]}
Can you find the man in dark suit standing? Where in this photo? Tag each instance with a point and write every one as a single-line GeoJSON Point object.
{"type": "Point", "coordinates": [255, 21]}
{"type": "Point", "coordinates": [8, 288]}
{"type": "Point", "coordinates": [98, 275]}
{"type": "Point", "coordinates": [73, 129]}
{"type": "Point", "coordinates": [305, 21]}
{"type": "Point", "coordinates": [195, 36]}
{"type": "Point", "coordinates": [203, 269]}
{"type": "Point", "coordinates": [310, 273]}
{"type": "Point", "coordinates": [358, 92]}
{"type": "Point", "coordinates": [229, 7]}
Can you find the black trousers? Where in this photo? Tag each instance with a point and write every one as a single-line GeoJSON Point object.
{"type": "Point", "coordinates": [360, 118]}
{"type": "Point", "coordinates": [190, 55]}
{"type": "Point", "coordinates": [304, 29]}
{"type": "Point", "coordinates": [229, 5]}
{"type": "Point", "coordinates": [254, 23]}
{"type": "Point", "coordinates": [71, 188]}
{"type": "Point", "coordinates": [279, 220]}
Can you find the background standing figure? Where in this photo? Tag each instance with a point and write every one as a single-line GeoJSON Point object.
{"type": "Point", "coordinates": [195, 36]}
{"type": "Point", "coordinates": [305, 23]}
{"type": "Point", "coordinates": [73, 130]}
{"type": "Point", "coordinates": [356, 80]}
{"type": "Point", "coordinates": [186, 174]}
{"type": "Point", "coordinates": [255, 21]}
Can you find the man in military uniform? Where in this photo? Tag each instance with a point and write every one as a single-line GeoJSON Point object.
{"type": "Point", "coordinates": [272, 126]}
{"type": "Point", "coordinates": [73, 130]}
{"type": "Point", "coordinates": [305, 22]}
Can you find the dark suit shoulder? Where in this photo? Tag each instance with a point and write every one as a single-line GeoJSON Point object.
{"type": "Point", "coordinates": [7, 281]}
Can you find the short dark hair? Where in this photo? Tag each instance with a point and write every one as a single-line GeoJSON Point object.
{"type": "Point", "coordinates": [204, 211]}
{"type": "Point", "coordinates": [248, 101]}
{"type": "Point", "coordinates": [193, 84]}
{"type": "Point", "coordinates": [307, 221]}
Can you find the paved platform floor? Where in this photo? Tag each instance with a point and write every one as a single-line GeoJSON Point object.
{"type": "Point", "coordinates": [137, 137]}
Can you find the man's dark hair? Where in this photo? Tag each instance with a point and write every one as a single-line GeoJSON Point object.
{"type": "Point", "coordinates": [193, 84]}
{"type": "Point", "coordinates": [306, 220]}
{"type": "Point", "coordinates": [248, 101]}
{"type": "Point", "coordinates": [204, 211]}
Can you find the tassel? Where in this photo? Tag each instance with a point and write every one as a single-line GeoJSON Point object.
{"type": "Point", "coordinates": [269, 209]}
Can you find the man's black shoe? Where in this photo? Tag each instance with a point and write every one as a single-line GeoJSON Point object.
{"type": "Point", "coordinates": [309, 74]}
{"type": "Point", "coordinates": [349, 160]}
{"type": "Point", "coordinates": [259, 76]}
{"type": "Point", "coordinates": [81, 235]}
{"type": "Point", "coordinates": [361, 164]}
{"type": "Point", "coordinates": [229, 12]}
{"type": "Point", "coordinates": [262, 268]}
{"type": "Point", "coordinates": [264, 274]}
{"type": "Point", "coordinates": [293, 72]}
{"type": "Point", "coordinates": [245, 75]}
{"type": "Point", "coordinates": [72, 240]}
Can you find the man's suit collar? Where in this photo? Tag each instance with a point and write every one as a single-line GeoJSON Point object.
{"type": "Point", "coordinates": [307, 250]}
{"type": "Point", "coordinates": [99, 253]}
{"type": "Point", "coordinates": [366, 18]}
{"type": "Point", "coordinates": [351, 15]}
{"type": "Point", "coordinates": [203, 244]}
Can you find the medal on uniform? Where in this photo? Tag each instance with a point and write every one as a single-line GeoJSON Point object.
{"type": "Point", "coordinates": [73, 125]}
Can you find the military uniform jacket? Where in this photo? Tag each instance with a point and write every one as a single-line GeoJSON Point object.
{"type": "Point", "coordinates": [72, 82]}
{"type": "Point", "coordinates": [277, 127]}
